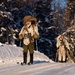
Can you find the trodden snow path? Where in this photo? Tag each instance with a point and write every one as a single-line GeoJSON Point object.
{"type": "Point", "coordinates": [38, 69]}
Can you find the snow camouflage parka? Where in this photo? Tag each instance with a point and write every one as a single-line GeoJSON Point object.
{"type": "Point", "coordinates": [62, 45]}
{"type": "Point", "coordinates": [27, 34]}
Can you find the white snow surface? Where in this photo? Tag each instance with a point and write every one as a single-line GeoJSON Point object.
{"type": "Point", "coordinates": [10, 55]}
{"type": "Point", "coordinates": [14, 54]}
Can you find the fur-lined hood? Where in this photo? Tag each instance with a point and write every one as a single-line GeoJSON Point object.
{"type": "Point", "coordinates": [29, 18]}
{"type": "Point", "coordinates": [65, 41]}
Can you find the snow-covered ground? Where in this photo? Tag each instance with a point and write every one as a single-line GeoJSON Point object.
{"type": "Point", "coordinates": [14, 54]}
{"type": "Point", "coordinates": [10, 55]}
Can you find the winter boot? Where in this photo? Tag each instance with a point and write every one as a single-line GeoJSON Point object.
{"type": "Point", "coordinates": [31, 59]}
{"type": "Point", "coordinates": [24, 59]}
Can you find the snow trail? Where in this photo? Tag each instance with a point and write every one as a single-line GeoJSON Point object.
{"type": "Point", "coordinates": [39, 69]}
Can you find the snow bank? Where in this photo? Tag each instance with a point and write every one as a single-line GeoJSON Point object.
{"type": "Point", "coordinates": [9, 53]}
{"type": "Point", "coordinates": [40, 57]}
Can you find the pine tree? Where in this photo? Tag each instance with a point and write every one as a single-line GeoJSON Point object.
{"type": "Point", "coordinates": [69, 12]}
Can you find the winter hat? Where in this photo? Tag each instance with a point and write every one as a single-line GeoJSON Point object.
{"type": "Point", "coordinates": [30, 18]}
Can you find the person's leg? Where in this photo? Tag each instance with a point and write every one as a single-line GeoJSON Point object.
{"type": "Point", "coordinates": [25, 51]}
{"type": "Point", "coordinates": [31, 58]}
{"type": "Point", "coordinates": [59, 55]}
{"type": "Point", "coordinates": [63, 55]}
{"type": "Point", "coordinates": [31, 51]}
{"type": "Point", "coordinates": [24, 57]}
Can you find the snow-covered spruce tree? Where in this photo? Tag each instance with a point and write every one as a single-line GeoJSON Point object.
{"type": "Point", "coordinates": [10, 15]}
{"type": "Point", "coordinates": [18, 9]}
{"type": "Point", "coordinates": [69, 12]}
{"type": "Point", "coordinates": [58, 7]}
{"type": "Point", "coordinates": [46, 28]}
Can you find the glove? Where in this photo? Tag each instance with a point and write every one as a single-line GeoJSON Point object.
{"type": "Point", "coordinates": [20, 36]}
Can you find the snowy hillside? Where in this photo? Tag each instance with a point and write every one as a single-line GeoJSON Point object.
{"type": "Point", "coordinates": [9, 53]}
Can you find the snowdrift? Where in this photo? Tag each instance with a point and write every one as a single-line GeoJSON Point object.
{"type": "Point", "coordinates": [10, 53]}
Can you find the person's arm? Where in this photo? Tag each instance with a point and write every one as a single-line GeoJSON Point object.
{"type": "Point", "coordinates": [21, 34]}
{"type": "Point", "coordinates": [36, 33]}
{"type": "Point", "coordinates": [57, 43]}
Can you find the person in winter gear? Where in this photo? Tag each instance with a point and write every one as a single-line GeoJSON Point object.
{"type": "Point", "coordinates": [28, 33]}
{"type": "Point", "coordinates": [62, 47]}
